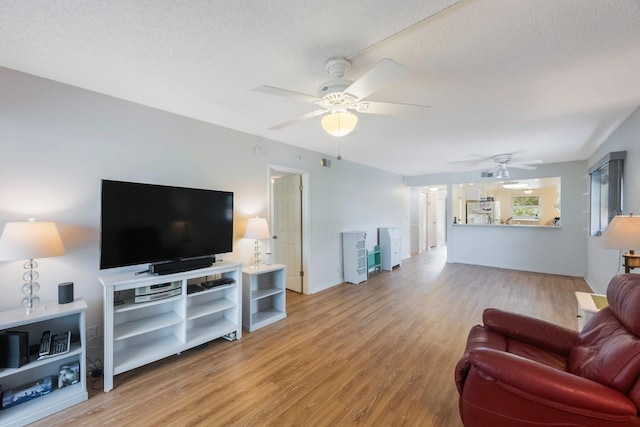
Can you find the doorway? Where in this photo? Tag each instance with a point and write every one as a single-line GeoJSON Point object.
{"type": "Point", "coordinates": [288, 206]}
{"type": "Point", "coordinates": [432, 211]}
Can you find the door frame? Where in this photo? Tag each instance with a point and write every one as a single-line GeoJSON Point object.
{"type": "Point", "coordinates": [305, 205]}
{"type": "Point", "coordinates": [426, 228]}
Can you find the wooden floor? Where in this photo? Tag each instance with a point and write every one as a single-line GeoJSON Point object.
{"type": "Point", "coordinates": [380, 353]}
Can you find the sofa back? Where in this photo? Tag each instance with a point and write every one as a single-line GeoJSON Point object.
{"type": "Point", "coordinates": [608, 347]}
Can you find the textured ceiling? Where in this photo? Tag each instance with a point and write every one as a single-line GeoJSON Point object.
{"type": "Point", "coordinates": [546, 80]}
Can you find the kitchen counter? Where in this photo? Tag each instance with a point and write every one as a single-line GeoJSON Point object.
{"type": "Point", "coordinates": [508, 225]}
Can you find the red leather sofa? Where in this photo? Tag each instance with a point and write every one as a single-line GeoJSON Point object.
{"type": "Point", "coordinates": [521, 371]}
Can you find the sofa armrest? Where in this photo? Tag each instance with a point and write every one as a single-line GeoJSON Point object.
{"type": "Point", "coordinates": [534, 331]}
{"type": "Point", "coordinates": [543, 382]}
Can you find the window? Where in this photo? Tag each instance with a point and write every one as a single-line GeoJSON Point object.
{"type": "Point", "coordinates": [605, 191]}
{"type": "Point", "coordinates": [525, 207]}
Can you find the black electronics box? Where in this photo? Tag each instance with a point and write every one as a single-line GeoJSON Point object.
{"type": "Point", "coordinates": [14, 349]}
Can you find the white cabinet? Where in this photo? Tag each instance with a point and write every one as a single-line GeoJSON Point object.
{"type": "Point", "coordinates": [588, 305]}
{"type": "Point", "coordinates": [139, 333]}
{"type": "Point", "coordinates": [354, 256]}
{"type": "Point", "coordinates": [56, 318]}
{"type": "Point", "coordinates": [390, 247]}
{"type": "Point", "coordinates": [263, 295]}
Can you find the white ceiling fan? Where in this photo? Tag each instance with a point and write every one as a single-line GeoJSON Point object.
{"type": "Point", "coordinates": [506, 160]}
{"type": "Point", "coordinates": [338, 97]}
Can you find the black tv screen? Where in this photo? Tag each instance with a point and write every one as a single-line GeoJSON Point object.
{"type": "Point", "coordinates": [146, 223]}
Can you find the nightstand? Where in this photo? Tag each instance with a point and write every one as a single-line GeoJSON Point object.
{"type": "Point", "coordinates": [263, 295]}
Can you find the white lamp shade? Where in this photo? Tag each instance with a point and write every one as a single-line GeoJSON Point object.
{"type": "Point", "coordinates": [257, 229]}
{"type": "Point", "coordinates": [623, 232]}
{"type": "Point", "coordinates": [339, 123]}
{"type": "Point", "coordinates": [29, 240]}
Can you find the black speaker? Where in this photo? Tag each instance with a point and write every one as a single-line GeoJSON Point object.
{"type": "Point", "coordinates": [65, 293]}
{"type": "Point", "coordinates": [14, 349]}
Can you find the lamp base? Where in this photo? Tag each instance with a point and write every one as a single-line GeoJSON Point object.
{"type": "Point", "coordinates": [257, 259]}
{"type": "Point", "coordinates": [631, 261]}
{"type": "Point", "coordinates": [31, 301]}
{"type": "Point", "coordinates": [34, 308]}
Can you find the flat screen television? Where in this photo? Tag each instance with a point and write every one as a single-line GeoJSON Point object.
{"type": "Point", "coordinates": [147, 223]}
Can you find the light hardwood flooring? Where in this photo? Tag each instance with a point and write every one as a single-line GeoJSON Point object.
{"type": "Point", "coordinates": [380, 353]}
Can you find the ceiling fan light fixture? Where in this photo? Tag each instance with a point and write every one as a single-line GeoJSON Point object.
{"type": "Point", "coordinates": [339, 123]}
{"type": "Point", "coordinates": [502, 172]}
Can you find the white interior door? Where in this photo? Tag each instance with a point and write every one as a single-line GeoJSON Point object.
{"type": "Point", "coordinates": [432, 202]}
{"type": "Point", "coordinates": [287, 198]}
{"type": "Point", "coordinates": [422, 230]}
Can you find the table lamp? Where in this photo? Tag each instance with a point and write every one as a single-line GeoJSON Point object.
{"type": "Point", "coordinates": [623, 232]}
{"type": "Point", "coordinates": [257, 229]}
{"type": "Point", "coordinates": [29, 240]}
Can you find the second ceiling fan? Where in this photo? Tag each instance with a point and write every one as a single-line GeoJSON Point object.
{"type": "Point", "coordinates": [338, 98]}
{"type": "Point", "coordinates": [506, 160]}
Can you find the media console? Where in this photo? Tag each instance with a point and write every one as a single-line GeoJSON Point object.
{"type": "Point", "coordinates": [136, 334]}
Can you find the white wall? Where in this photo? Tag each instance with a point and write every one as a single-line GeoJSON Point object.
{"type": "Point", "coordinates": [603, 264]}
{"type": "Point", "coordinates": [547, 250]}
{"type": "Point", "coordinates": [57, 142]}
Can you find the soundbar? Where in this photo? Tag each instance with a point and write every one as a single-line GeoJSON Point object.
{"type": "Point", "coordinates": [181, 265]}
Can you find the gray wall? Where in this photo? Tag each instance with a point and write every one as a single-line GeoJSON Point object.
{"type": "Point", "coordinates": [57, 142]}
{"type": "Point", "coordinates": [603, 264]}
{"type": "Point", "coordinates": [569, 250]}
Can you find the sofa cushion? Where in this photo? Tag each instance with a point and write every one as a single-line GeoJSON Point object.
{"type": "Point", "coordinates": [482, 337]}
{"type": "Point", "coordinates": [623, 295]}
{"type": "Point", "coordinates": [537, 354]}
{"type": "Point", "coordinates": [607, 352]}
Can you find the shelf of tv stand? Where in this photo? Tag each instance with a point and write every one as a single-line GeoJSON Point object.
{"type": "Point", "coordinates": [142, 333]}
{"type": "Point", "coordinates": [146, 325]}
{"type": "Point", "coordinates": [200, 310]}
{"type": "Point", "coordinates": [150, 351]}
{"type": "Point", "coordinates": [199, 335]}
{"type": "Point", "coordinates": [144, 353]}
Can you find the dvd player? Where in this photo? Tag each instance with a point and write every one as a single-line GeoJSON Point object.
{"type": "Point", "coordinates": [154, 297]}
{"type": "Point", "coordinates": [160, 287]}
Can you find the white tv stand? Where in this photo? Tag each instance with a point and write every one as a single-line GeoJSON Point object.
{"type": "Point", "coordinates": [139, 333]}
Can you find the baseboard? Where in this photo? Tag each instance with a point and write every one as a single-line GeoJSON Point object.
{"type": "Point", "coordinates": [324, 287]}
{"type": "Point", "coordinates": [593, 288]}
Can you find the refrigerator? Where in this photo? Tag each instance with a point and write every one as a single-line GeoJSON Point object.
{"type": "Point", "coordinates": [483, 213]}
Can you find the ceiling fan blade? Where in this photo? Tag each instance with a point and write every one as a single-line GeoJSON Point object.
{"type": "Point", "coordinates": [299, 119]}
{"type": "Point", "coordinates": [522, 166]}
{"type": "Point", "coordinates": [391, 109]}
{"type": "Point", "coordinates": [287, 93]}
{"type": "Point", "coordinates": [382, 74]}
{"type": "Point", "coordinates": [530, 162]}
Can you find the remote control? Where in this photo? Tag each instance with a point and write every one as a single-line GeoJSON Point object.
{"type": "Point", "coordinates": [45, 343]}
